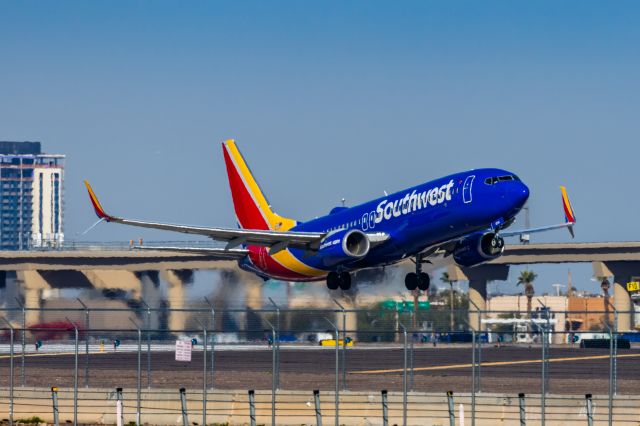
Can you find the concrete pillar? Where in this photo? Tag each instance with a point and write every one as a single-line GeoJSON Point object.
{"type": "Point", "coordinates": [253, 289]}
{"type": "Point", "coordinates": [32, 286]}
{"type": "Point", "coordinates": [478, 277]}
{"type": "Point", "coordinates": [622, 273]}
{"type": "Point", "coordinates": [350, 318]}
{"type": "Point", "coordinates": [152, 296]}
{"type": "Point", "coordinates": [116, 279]}
{"type": "Point", "coordinates": [176, 280]}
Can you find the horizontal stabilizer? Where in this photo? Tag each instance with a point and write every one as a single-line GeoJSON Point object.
{"type": "Point", "coordinates": [569, 217]}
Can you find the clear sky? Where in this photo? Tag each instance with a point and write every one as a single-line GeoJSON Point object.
{"type": "Point", "coordinates": [328, 100]}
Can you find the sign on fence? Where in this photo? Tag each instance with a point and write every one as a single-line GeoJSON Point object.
{"type": "Point", "coordinates": [183, 350]}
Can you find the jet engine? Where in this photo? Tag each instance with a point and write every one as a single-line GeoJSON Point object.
{"type": "Point", "coordinates": [343, 246]}
{"type": "Point", "coordinates": [478, 248]}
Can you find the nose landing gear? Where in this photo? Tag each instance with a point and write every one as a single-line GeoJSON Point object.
{"type": "Point", "coordinates": [340, 280]}
{"type": "Point", "coordinates": [418, 279]}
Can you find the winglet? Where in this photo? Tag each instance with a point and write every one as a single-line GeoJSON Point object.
{"type": "Point", "coordinates": [96, 204]}
{"type": "Point", "coordinates": [569, 217]}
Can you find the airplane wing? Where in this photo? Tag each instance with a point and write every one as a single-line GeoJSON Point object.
{"type": "Point", "coordinates": [569, 220]}
{"type": "Point", "coordinates": [231, 254]}
{"type": "Point", "coordinates": [275, 240]}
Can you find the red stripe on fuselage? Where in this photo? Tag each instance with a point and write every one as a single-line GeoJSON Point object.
{"type": "Point", "coordinates": [247, 210]}
{"type": "Point", "coordinates": [260, 257]}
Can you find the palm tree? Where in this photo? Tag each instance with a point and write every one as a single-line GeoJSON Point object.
{"type": "Point", "coordinates": [446, 279]}
{"type": "Point", "coordinates": [527, 278]}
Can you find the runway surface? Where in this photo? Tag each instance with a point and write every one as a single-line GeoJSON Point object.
{"type": "Point", "coordinates": [505, 369]}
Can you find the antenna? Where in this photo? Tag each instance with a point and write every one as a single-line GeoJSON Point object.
{"type": "Point", "coordinates": [569, 284]}
{"type": "Point", "coordinates": [385, 193]}
{"type": "Point", "coordinates": [343, 200]}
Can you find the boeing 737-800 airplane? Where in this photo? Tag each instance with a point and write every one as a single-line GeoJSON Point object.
{"type": "Point", "coordinates": [461, 216]}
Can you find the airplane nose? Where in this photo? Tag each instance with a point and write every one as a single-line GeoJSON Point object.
{"type": "Point", "coordinates": [522, 194]}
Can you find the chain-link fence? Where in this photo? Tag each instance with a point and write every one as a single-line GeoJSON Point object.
{"type": "Point", "coordinates": [403, 365]}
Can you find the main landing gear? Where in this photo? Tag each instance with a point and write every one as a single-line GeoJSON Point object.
{"type": "Point", "coordinates": [340, 280]}
{"type": "Point", "coordinates": [418, 279]}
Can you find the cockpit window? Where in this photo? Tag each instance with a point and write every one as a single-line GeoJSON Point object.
{"type": "Point", "coordinates": [495, 179]}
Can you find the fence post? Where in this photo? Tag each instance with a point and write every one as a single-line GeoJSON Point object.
{"type": "Point", "coordinates": [24, 342]}
{"type": "Point", "coordinates": [523, 421]}
{"type": "Point", "coordinates": [337, 373]}
{"type": "Point", "coordinates": [545, 363]}
{"type": "Point", "coordinates": [404, 374]}
{"type": "Point", "coordinates": [11, 333]}
{"type": "Point", "coordinates": [479, 347]}
{"type": "Point", "coordinates": [54, 402]}
{"type": "Point", "coordinates": [183, 407]}
{"type": "Point", "coordinates": [611, 361]}
{"type": "Point", "coordinates": [543, 390]}
{"type": "Point", "coordinates": [86, 342]}
{"type": "Point", "coordinates": [589, 409]}
{"type": "Point", "coordinates": [148, 343]}
{"type": "Point", "coordinates": [139, 373]}
{"type": "Point", "coordinates": [385, 408]}
{"type": "Point", "coordinates": [452, 415]}
{"type": "Point", "coordinates": [204, 373]}
{"type": "Point", "coordinates": [276, 342]}
{"type": "Point", "coordinates": [75, 373]}
{"type": "Point", "coordinates": [213, 336]}
{"type": "Point", "coordinates": [316, 400]}
{"type": "Point", "coordinates": [119, 407]}
{"type": "Point", "coordinates": [252, 408]}
{"type": "Point", "coordinates": [344, 345]}
{"type": "Point", "coordinates": [473, 377]}
{"type": "Point", "coordinates": [273, 373]}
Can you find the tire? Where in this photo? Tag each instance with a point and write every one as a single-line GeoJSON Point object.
{"type": "Point", "coordinates": [424, 281]}
{"type": "Point", "coordinates": [411, 281]}
{"type": "Point", "coordinates": [345, 281]}
{"type": "Point", "coordinates": [333, 280]}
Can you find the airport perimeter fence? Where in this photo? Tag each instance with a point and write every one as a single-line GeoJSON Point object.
{"type": "Point", "coordinates": [297, 363]}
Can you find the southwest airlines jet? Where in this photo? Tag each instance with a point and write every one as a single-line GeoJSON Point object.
{"type": "Point", "coordinates": [461, 216]}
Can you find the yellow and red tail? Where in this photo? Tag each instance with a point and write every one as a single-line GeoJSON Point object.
{"type": "Point", "coordinates": [569, 216]}
{"type": "Point", "coordinates": [568, 211]}
{"type": "Point", "coordinates": [252, 209]}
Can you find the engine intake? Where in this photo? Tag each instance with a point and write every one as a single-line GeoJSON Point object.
{"type": "Point", "coordinates": [478, 248]}
{"type": "Point", "coordinates": [344, 246]}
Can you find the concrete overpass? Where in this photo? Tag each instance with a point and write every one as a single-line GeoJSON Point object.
{"type": "Point", "coordinates": [617, 260]}
{"type": "Point", "coordinates": [129, 269]}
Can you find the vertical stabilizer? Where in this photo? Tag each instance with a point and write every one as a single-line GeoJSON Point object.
{"type": "Point", "coordinates": [251, 206]}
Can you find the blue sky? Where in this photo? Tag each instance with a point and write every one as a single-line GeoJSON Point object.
{"type": "Point", "coordinates": [328, 100]}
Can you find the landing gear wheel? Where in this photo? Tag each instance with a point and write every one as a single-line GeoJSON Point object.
{"type": "Point", "coordinates": [345, 281]}
{"type": "Point", "coordinates": [423, 281]}
{"type": "Point", "coordinates": [497, 243]}
{"type": "Point", "coordinates": [411, 281]}
{"type": "Point", "coordinates": [333, 280]}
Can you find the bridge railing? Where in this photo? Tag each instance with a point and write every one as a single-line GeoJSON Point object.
{"type": "Point", "coordinates": [123, 245]}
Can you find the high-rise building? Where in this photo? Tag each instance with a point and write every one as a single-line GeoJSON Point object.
{"type": "Point", "coordinates": [31, 187]}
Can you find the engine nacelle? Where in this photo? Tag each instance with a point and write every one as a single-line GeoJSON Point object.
{"type": "Point", "coordinates": [478, 248]}
{"type": "Point", "coordinates": [343, 246]}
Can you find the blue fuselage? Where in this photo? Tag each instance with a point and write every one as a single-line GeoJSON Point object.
{"type": "Point", "coordinates": [425, 215]}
